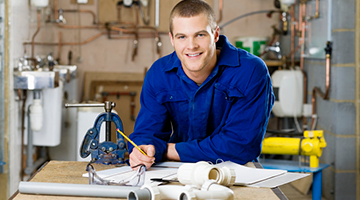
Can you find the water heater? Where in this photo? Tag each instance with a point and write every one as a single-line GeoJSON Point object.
{"type": "Point", "coordinates": [288, 89]}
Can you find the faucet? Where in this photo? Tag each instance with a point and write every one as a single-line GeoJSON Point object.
{"type": "Point", "coordinates": [61, 17]}
{"type": "Point", "coordinates": [274, 51]}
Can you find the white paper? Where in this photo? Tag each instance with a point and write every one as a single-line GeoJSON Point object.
{"type": "Point", "coordinates": [279, 180]}
{"type": "Point", "coordinates": [246, 176]}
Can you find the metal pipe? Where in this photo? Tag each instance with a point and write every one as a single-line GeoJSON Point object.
{"type": "Point", "coordinates": [59, 47]}
{"type": "Point", "coordinates": [36, 32]}
{"type": "Point", "coordinates": [325, 95]}
{"type": "Point", "coordinates": [29, 147]}
{"type": "Point", "coordinates": [292, 44]}
{"type": "Point", "coordinates": [64, 189]}
{"type": "Point", "coordinates": [82, 11]}
{"type": "Point", "coordinates": [56, 13]}
{"type": "Point", "coordinates": [22, 132]}
{"type": "Point", "coordinates": [316, 15]}
{"type": "Point", "coordinates": [220, 11]}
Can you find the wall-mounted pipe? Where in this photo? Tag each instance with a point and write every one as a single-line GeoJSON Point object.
{"type": "Point", "coordinates": [325, 95]}
{"type": "Point", "coordinates": [221, 3]}
{"type": "Point", "coordinates": [82, 11]}
{"type": "Point", "coordinates": [316, 15]}
{"type": "Point", "coordinates": [36, 32]}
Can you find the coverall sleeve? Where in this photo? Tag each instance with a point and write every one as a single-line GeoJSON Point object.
{"type": "Point", "coordinates": [239, 139]}
{"type": "Point", "coordinates": [152, 125]}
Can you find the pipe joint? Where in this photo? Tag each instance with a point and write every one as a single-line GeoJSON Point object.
{"type": "Point", "coordinates": [200, 172]}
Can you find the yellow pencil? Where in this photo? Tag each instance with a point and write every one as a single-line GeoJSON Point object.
{"type": "Point", "coordinates": [131, 142]}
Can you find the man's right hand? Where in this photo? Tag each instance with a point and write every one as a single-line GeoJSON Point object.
{"type": "Point", "coordinates": [136, 157]}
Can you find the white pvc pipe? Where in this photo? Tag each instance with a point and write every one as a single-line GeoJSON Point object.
{"type": "Point", "coordinates": [64, 189]}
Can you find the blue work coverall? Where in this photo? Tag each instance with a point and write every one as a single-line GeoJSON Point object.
{"type": "Point", "coordinates": [223, 118]}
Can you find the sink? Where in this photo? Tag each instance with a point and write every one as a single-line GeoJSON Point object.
{"type": "Point", "coordinates": [43, 78]}
{"type": "Point", "coordinates": [35, 80]}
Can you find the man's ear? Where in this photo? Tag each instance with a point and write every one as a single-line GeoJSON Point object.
{"type": "Point", "coordinates": [171, 39]}
{"type": "Point", "coordinates": [217, 33]}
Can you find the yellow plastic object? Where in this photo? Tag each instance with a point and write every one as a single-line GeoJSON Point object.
{"type": "Point", "coordinates": [311, 145]}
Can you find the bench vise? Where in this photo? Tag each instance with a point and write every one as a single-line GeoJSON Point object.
{"type": "Point", "coordinates": [106, 152]}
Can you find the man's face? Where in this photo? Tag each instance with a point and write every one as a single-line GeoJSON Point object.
{"type": "Point", "coordinates": [194, 43]}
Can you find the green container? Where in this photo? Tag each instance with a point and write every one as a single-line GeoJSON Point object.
{"type": "Point", "coordinates": [254, 45]}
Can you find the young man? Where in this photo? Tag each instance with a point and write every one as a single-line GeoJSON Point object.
{"type": "Point", "coordinates": [206, 101]}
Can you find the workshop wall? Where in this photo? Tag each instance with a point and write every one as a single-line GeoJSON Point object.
{"type": "Point", "coordinates": [101, 54]}
{"type": "Point", "coordinates": [337, 115]}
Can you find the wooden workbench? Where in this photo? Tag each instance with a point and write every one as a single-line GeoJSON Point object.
{"type": "Point", "coordinates": [71, 172]}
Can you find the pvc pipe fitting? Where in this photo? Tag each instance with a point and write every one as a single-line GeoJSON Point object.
{"type": "Point", "coordinates": [149, 192]}
{"type": "Point", "coordinates": [200, 172]}
{"type": "Point", "coordinates": [209, 190]}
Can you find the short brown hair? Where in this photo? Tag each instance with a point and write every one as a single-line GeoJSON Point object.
{"type": "Point", "coordinates": [190, 8]}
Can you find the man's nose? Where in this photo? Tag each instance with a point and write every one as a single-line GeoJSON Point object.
{"type": "Point", "coordinates": [192, 43]}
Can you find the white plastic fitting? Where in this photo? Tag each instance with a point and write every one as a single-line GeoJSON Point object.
{"type": "Point", "coordinates": [198, 173]}
{"type": "Point", "coordinates": [209, 190]}
{"type": "Point", "coordinates": [40, 3]}
{"type": "Point", "coordinates": [36, 115]}
{"type": "Point", "coordinates": [154, 192]}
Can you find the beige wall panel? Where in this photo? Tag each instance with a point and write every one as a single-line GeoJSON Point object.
{"type": "Point", "coordinates": [108, 12]}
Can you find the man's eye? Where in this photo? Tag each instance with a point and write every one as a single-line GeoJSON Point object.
{"type": "Point", "coordinates": [201, 35]}
{"type": "Point", "coordinates": [181, 37]}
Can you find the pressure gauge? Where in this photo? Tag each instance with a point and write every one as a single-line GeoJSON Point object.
{"type": "Point", "coordinates": [128, 3]}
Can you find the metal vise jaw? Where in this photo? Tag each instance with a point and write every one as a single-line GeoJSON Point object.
{"type": "Point", "coordinates": [105, 152]}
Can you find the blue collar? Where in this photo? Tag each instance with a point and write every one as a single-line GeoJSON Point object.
{"type": "Point", "coordinates": [229, 55]}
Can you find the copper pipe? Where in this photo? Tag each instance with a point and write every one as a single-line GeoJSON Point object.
{"type": "Point", "coordinates": [141, 35]}
{"type": "Point", "coordinates": [137, 14]}
{"type": "Point", "coordinates": [316, 15]}
{"type": "Point", "coordinates": [118, 13]}
{"type": "Point", "coordinates": [83, 11]}
{"type": "Point", "coordinates": [292, 44]}
{"type": "Point", "coordinates": [121, 30]}
{"type": "Point", "coordinates": [77, 27]}
{"type": "Point", "coordinates": [56, 13]}
{"type": "Point", "coordinates": [59, 47]}
{"type": "Point", "coordinates": [303, 25]}
{"type": "Point", "coordinates": [325, 95]}
{"type": "Point", "coordinates": [36, 32]}
{"type": "Point", "coordinates": [220, 11]}
{"type": "Point", "coordinates": [157, 38]}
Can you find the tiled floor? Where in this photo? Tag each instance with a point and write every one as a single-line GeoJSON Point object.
{"type": "Point", "coordinates": [293, 194]}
